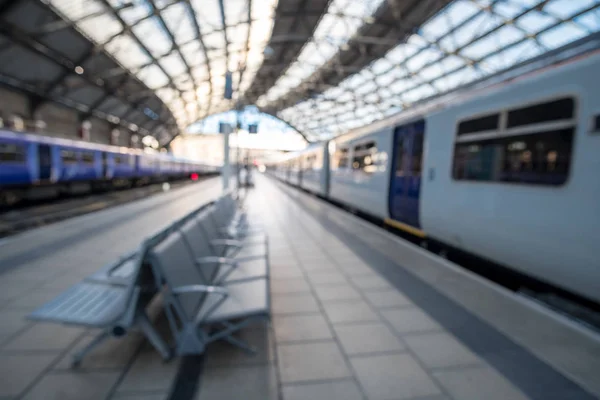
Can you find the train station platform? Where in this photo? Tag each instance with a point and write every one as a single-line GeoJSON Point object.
{"type": "Point", "coordinates": [357, 313]}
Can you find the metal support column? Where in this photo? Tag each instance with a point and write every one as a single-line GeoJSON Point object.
{"type": "Point", "coordinates": [226, 172]}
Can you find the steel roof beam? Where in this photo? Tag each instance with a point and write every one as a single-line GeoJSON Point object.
{"type": "Point", "coordinates": [22, 38]}
{"type": "Point", "coordinates": [137, 40]}
{"type": "Point", "coordinates": [224, 22]}
{"type": "Point", "coordinates": [61, 24]}
{"type": "Point", "coordinates": [174, 45]}
{"type": "Point", "coordinates": [267, 74]}
{"type": "Point", "coordinates": [355, 54]}
{"type": "Point", "coordinates": [243, 69]}
{"type": "Point", "coordinates": [7, 5]}
{"type": "Point", "coordinates": [198, 32]}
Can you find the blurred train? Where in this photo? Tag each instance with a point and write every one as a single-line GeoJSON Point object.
{"type": "Point", "coordinates": [35, 167]}
{"type": "Point", "coordinates": [509, 173]}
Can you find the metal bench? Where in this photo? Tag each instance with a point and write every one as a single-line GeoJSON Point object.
{"type": "Point", "coordinates": [113, 299]}
{"type": "Point", "coordinates": [113, 308]}
{"type": "Point", "coordinates": [230, 217]}
{"type": "Point", "coordinates": [223, 245]}
{"type": "Point", "coordinates": [199, 313]}
{"type": "Point", "coordinates": [212, 266]}
{"type": "Point", "coordinates": [120, 272]}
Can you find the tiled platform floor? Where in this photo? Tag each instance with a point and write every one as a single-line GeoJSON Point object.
{"type": "Point", "coordinates": [341, 331]}
{"type": "Point", "coordinates": [37, 265]}
{"type": "Point", "coordinates": [343, 326]}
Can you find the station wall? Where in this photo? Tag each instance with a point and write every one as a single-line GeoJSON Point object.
{"type": "Point", "coordinates": [60, 121]}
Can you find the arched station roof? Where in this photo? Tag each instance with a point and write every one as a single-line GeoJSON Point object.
{"type": "Point", "coordinates": [323, 66]}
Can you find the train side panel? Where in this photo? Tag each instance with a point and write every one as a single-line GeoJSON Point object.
{"type": "Point", "coordinates": [313, 169]}
{"type": "Point", "coordinates": [359, 171]}
{"type": "Point", "coordinates": [547, 230]}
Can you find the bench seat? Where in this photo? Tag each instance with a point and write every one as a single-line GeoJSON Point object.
{"type": "Point", "coordinates": [87, 304]}
{"type": "Point", "coordinates": [244, 300]}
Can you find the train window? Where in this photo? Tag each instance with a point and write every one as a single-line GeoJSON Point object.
{"type": "Point", "coordinates": [10, 152]}
{"type": "Point", "coordinates": [363, 157]}
{"type": "Point", "coordinates": [342, 157]}
{"type": "Point", "coordinates": [309, 163]}
{"type": "Point", "coordinates": [543, 158]}
{"type": "Point", "coordinates": [87, 158]}
{"type": "Point", "coordinates": [479, 124]}
{"type": "Point", "coordinates": [121, 159]}
{"type": "Point", "coordinates": [400, 157]}
{"type": "Point", "coordinates": [596, 124]}
{"type": "Point", "coordinates": [68, 157]}
{"type": "Point", "coordinates": [555, 110]}
{"type": "Point", "coordinates": [417, 153]}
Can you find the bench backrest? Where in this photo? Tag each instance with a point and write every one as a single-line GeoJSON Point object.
{"type": "Point", "coordinates": [173, 263]}
{"type": "Point", "coordinates": [198, 244]}
{"type": "Point", "coordinates": [224, 209]}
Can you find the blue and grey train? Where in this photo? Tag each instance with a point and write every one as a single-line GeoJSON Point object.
{"type": "Point", "coordinates": [508, 173]}
{"type": "Point", "coordinates": [34, 167]}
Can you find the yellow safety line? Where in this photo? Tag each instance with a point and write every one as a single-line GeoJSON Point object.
{"type": "Point", "coordinates": [405, 227]}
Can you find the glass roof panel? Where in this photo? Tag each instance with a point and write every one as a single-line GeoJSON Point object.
{"type": "Point", "coordinates": [337, 26]}
{"type": "Point", "coordinates": [466, 41]}
{"type": "Point", "coordinates": [161, 41]}
{"type": "Point", "coordinates": [178, 22]}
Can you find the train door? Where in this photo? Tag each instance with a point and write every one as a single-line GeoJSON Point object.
{"type": "Point", "coordinates": [405, 185]}
{"type": "Point", "coordinates": [44, 162]}
{"type": "Point", "coordinates": [104, 165]}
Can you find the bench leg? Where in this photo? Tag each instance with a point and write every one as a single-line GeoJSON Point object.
{"type": "Point", "coordinates": [228, 331]}
{"type": "Point", "coordinates": [241, 344]}
{"type": "Point", "coordinates": [78, 357]}
{"type": "Point", "coordinates": [153, 337]}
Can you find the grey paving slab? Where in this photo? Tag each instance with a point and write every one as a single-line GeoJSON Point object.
{"type": "Point", "coordinates": [283, 262]}
{"type": "Point", "coordinates": [150, 372]}
{"type": "Point", "coordinates": [389, 298]}
{"type": "Point", "coordinates": [324, 265]}
{"type": "Point", "coordinates": [311, 362]}
{"type": "Point", "coordinates": [290, 285]}
{"type": "Point", "coordinates": [359, 269]}
{"type": "Point", "coordinates": [410, 320]}
{"type": "Point", "coordinates": [478, 383]}
{"type": "Point", "coordinates": [115, 353]}
{"type": "Point", "coordinates": [30, 275]}
{"type": "Point", "coordinates": [248, 383]}
{"type": "Point", "coordinates": [307, 254]}
{"type": "Point", "coordinates": [141, 396]}
{"type": "Point", "coordinates": [32, 300]}
{"type": "Point", "coordinates": [328, 277]}
{"type": "Point", "coordinates": [40, 337]}
{"type": "Point", "coordinates": [440, 350]}
{"type": "Point", "coordinates": [8, 293]}
{"type": "Point", "coordinates": [371, 282]}
{"type": "Point", "coordinates": [73, 386]}
{"type": "Point", "coordinates": [367, 338]}
{"type": "Point", "coordinates": [336, 292]}
{"type": "Point", "coordinates": [287, 272]}
{"type": "Point", "coordinates": [17, 372]}
{"type": "Point", "coordinates": [67, 280]}
{"type": "Point", "coordinates": [301, 328]}
{"type": "Point", "coordinates": [12, 321]}
{"type": "Point", "coordinates": [396, 376]}
{"type": "Point", "coordinates": [259, 336]}
{"type": "Point", "coordinates": [350, 311]}
{"type": "Point", "coordinates": [334, 390]}
{"type": "Point", "coordinates": [297, 303]}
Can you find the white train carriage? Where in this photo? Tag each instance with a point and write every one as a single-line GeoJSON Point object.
{"type": "Point", "coordinates": [359, 170]}
{"type": "Point", "coordinates": [315, 171]}
{"type": "Point", "coordinates": [512, 175]}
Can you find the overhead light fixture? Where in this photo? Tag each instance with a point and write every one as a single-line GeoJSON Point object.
{"type": "Point", "coordinates": [79, 70]}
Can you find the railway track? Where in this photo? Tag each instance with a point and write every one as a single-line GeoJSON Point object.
{"type": "Point", "coordinates": [36, 215]}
